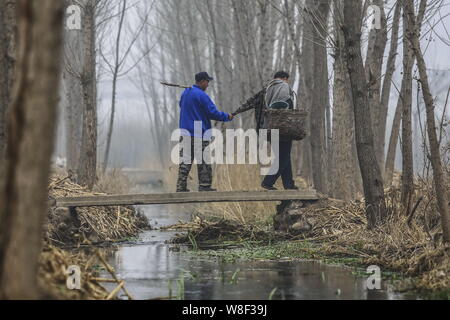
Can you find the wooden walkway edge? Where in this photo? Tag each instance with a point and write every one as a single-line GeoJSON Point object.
{"type": "Point", "coordinates": [190, 197]}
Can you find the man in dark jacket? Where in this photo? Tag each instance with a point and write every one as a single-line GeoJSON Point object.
{"type": "Point", "coordinates": [279, 95]}
{"type": "Point", "coordinates": [197, 106]}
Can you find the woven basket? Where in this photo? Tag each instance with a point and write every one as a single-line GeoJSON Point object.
{"type": "Point", "coordinates": [290, 123]}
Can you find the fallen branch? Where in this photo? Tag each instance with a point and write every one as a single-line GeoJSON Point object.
{"type": "Point", "coordinates": [116, 290]}
{"type": "Point", "coordinates": [411, 215]}
{"type": "Point", "coordinates": [112, 273]}
{"type": "Point", "coordinates": [102, 280]}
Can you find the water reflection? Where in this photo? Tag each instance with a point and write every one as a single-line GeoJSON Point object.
{"type": "Point", "coordinates": [150, 268]}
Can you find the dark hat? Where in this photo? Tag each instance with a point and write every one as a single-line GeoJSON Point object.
{"type": "Point", "coordinates": [203, 76]}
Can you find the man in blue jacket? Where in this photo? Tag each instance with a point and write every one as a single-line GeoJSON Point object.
{"type": "Point", "coordinates": [197, 106]}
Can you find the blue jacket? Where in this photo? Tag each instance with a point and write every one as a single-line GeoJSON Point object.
{"type": "Point", "coordinates": [196, 105]}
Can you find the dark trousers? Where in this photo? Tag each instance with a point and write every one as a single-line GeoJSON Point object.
{"type": "Point", "coordinates": [204, 170]}
{"type": "Point", "coordinates": [285, 167]}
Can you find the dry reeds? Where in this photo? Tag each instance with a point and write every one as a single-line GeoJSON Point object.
{"type": "Point", "coordinates": [86, 225]}
{"type": "Point", "coordinates": [408, 244]}
{"type": "Point", "coordinates": [96, 224]}
{"type": "Point", "coordinates": [53, 265]}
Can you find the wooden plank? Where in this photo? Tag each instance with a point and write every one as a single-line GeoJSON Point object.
{"type": "Point", "coordinates": [189, 197]}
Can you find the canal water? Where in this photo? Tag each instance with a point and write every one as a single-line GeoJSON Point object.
{"type": "Point", "coordinates": [155, 269]}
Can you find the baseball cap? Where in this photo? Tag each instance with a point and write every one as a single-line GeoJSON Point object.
{"type": "Point", "coordinates": [203, 76]}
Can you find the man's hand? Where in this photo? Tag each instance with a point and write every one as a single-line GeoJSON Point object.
{"type": "Point", "coordinates": [230, 116]}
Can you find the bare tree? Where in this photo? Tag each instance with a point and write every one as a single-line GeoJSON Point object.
{"type": "Point", "coordinates": [412, 36]}
{"type": "Point", "coordinates": [305, 94]}
{"type": "Point", "coordinates": [370, 170]}
{"type": "Point", "coordinates": [320, 95]}
{"type": "Point", "coordinates": [116, 67]}
{"type": "Point", "coordinates": [71, 95]}
{"type": "Point", "coordinates": [373, 66]}
{"type": "Point", "coordinates": [387, 85]}
{"type": "Point", "coordinates": [23, 203]}
{"type": "Point", "coordinates": [87, 168]}
{"type": "Point", "coordinates": [345, 180]}
{"type": "Point", "coordinates": [408, 62]}
{"type": "Point", "coordinates": [406, 96]}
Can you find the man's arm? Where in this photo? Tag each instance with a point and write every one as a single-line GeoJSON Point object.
{"type": "Point", "coordinates": [212, 111]}
{"type": "Point", "coordinates": [254, 102]}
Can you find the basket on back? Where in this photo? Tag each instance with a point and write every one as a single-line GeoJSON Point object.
{"type": "Point", "coordinates": [290, 123]}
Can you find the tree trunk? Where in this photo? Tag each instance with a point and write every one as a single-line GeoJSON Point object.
{"type": "Point", "coordinates": [7, 58]}
{"type": "Point", "coordinates": [393, 141]}
{"type": "Point", "coordinates": [73, 98]}
{"type": "Point", "coordinates": [88, 154]}
{"type": "Point", "coordinates": [23, 204]}
{"type": "Point", "coordinates": [439, 182]}
{"type": "Point", "coordinates": [345, 179]}
{"type": "Point", "coordinates": [320, 97]}
{"type": "Point", "coordinates": [370, 170]}
{"type": "Point", "coordinates": [306, 89]}
{"type": "Point", "coordinates": [374, 64]}
{"type": "Point", "coordinates": [264, 63]}
{"type": "Point", "coordinates": [114, 87]}
{"type": "Point", "coordinates": [387, 85]}
{"type": "Point", "coordinates": [406, 98]}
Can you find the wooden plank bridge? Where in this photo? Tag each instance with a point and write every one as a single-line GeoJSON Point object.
{"type": "Point", "coordinates": [188, 197]}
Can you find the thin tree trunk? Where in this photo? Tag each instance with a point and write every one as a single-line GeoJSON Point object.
{"type": "Point", "coordinates": [406, 97]}
{"type": "Point", "coordinates": [393, 141]}
{"type": "Point", "coordinates": [374, 64]}
{"type": "Point", "coordinates": [88, 155]}
{"type": "Point", "coordinates": [439, 182]}
{"type": "Point", "coordinates": [7, 58]}
{"type": "Point", "coordinates": [387, 83]}
{"type": "Point", "coordinates": [320, 96]}
{"type": "Point", "coordinates": [265, 63]}
{"type": "Point", "coordinates": [306, 89]}
{"type": "Point", "coordinates": [370, 170]}
{"type": "Point", "coordinates": [216, 56]}
{"type": "Point", "coordinates": [23, 204]}
{"type": "Point", "coordinates": [114, 87]}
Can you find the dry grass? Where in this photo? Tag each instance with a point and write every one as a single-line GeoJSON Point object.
{"type": "Point", "coordinates": [112, 182]}
{"type": "Point", "coordinates": [93, 224]}
{"type": "Point", "coordinates": [53, 264]}
{"type": "Point", "coordinates": [412, 246]}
